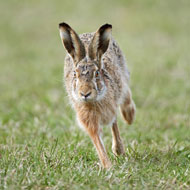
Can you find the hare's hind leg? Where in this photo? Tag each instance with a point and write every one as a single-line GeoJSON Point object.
{"type": "Point", "coordinates": [117, 144]}
{"type": "Point", "coordinates": [128, 108]}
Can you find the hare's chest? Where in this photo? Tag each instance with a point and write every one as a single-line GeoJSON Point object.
{"type": "Point", "coordinates": [96, 115]}
{"type": "Point", "coordinates": [107, 115]}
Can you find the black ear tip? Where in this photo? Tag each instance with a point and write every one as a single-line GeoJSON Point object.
{"type": "Point", "coordinates": [108, 25]}
{"type": "Point", "coordinates": [63, 24]}
{"type": "Point", "coordinates": [105, 27]}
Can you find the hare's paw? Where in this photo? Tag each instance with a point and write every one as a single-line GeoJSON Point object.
{"type": "Point", "coordinates": [118, 149]}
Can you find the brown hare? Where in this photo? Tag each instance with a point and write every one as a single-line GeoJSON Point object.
{"type": "Point", "coordinates": [96, 79]}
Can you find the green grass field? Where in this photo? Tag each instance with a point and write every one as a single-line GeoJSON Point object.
{"type": "Point", "coordinates": [41, 145]}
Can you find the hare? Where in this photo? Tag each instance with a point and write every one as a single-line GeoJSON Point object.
{"type": "Point", "coordinates": [96, 79]}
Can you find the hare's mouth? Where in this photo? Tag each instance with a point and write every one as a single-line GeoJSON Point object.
{"type": "Point", "coordinates": [86, 99]}
{"type": "Point", "coordinates": [87, 95]}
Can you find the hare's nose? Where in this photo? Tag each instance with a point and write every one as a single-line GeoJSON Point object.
{"type": "Point", "coordinates": [85, 95]}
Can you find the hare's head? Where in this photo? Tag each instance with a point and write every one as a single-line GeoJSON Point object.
{"type": "Point", "coordinates": [88, 81]}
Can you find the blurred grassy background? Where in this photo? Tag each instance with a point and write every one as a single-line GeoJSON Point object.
{"type": "Point", "coordinates": [34, 109]}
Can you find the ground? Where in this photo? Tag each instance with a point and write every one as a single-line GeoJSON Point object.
{"type": "Point", "coordinates": [41, 145]}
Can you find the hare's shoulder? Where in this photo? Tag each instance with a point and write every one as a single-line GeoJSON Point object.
{"type": "Point", "coordinates": [115, 62]}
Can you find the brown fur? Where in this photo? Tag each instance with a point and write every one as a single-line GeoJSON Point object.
{"type": "Point", "coordinates": [128, 108]}
{"type": "Point", "coordinates": [117, 144]}
{"type": "Point", "coordinates": [97, 84]}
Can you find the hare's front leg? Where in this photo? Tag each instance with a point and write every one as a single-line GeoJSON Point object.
{"type": "Point", "coordinates": [95, 135]}
{"type": "Point", "coordinates": [117, 144]}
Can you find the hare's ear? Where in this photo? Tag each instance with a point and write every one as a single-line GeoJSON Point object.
{"type": "Point", "coordinates": [100, 42]}
{"type": "Point", "coordinates": [72, 42]}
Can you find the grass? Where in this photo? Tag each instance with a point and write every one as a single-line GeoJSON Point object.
{"type": "Point", "coordinates": [41, 146]}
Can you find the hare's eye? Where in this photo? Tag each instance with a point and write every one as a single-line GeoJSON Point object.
{"type": "Point", "coordinates": [74, 74]}
{"type": "Point", "coordinates": [97, 74]}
